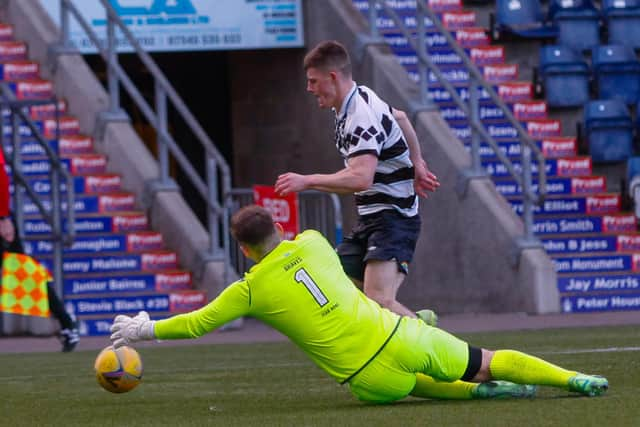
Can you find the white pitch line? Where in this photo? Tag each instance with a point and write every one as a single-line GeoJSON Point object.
{"type": "Point", "coordinates": [594, 350]}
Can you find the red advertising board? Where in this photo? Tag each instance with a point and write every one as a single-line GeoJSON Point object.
{"type": "Point", "coordinates": [283, 209]}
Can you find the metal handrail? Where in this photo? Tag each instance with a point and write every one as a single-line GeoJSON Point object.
{"type": "Point", "coordinates": [52, 217]}
{"type": "Point", "coordinates": [524, 179]}
{"type": "Point", "coordinates": [214, 191]}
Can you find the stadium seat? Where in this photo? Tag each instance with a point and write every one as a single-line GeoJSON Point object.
{"type": "Point", "coordinates": [633, 180]}
{"type": "Point", "coordinates": [565, 76]}
{"type": "Point", "coordinates": [578, 23]}
{"type": "Point", "coordinates": [617, 73]}
{"type": "Point", "coordinates": [522, 18]}
{"type": "Point", "coordinates": [608, 130]}
{"type": "Point", "coordinates": [623, 21]}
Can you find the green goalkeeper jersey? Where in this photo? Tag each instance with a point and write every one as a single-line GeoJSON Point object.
{"type": "Point", "coordinates": [301, 290]}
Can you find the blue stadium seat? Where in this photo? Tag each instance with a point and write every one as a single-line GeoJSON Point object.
{"type": "Point", "coordinates": [565, 76]}
{"type": "Point", "coordinates": [609, 130]}
{"type": "Point", "coordinates": [623, 21]}
{"type": "Point", "coordinates": [578, 23]}
{"type": "Point", "coordinates": [523, 18]}
{"type": "Point", "coordinates": [633, 182]}
{"type": "Point", "coordinates": [617, 73]}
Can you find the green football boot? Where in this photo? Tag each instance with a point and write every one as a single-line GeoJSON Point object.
{"type": "Point", "coordinates": [589, 385]}
{"type": "Point", "coordinates": [503, 390]}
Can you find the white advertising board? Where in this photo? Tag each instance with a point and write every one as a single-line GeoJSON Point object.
{"type": "Point", "coordinates": [186, 25]}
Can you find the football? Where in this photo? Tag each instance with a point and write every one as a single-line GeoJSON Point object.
{"type": "Point", "coordinates": [118, 370]}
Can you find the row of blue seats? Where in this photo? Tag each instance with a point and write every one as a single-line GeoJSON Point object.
{"type": "Point", "coordinates": [565, 75]}
{"type": "Point", "coordinates": [574, 23]}
{"type": "Point", "coordinates": [608, 129]}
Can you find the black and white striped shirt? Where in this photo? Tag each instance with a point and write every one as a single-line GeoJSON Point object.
{"type": "Point", "coordinates": [365, 125]}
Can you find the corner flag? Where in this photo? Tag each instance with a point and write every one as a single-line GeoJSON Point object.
{"type": "Point", "coordinates": [24, 286]}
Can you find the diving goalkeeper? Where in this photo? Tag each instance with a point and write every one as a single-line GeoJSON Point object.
{"type": "Point", "coordinates": [299, 288]}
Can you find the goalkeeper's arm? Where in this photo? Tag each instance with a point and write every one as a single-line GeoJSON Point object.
{"type": "Point", "coordinates": [231, 304]}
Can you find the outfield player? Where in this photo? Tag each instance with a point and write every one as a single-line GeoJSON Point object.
{"type": "Point", "coordinates": [383, 167]}
{"type": "Point", "coordinates": [299, 288]}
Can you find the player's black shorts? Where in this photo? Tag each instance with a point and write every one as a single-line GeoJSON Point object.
{"type": "Point", "coordinates": [386, 235]}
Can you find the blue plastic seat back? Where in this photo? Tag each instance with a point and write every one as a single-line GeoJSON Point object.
{"type": "Point", "coordinates": [559, 55]}
{"type": "Point", "coordinates": [620, 7]}
{"type": "Point", "coordinates": [518, 13]}
{"type": "Point", "coordinates": [565, 76]}
{"type": "Point", "coordinates": [606, 110]}
{"type": "Point", "coordinates": [609, 130]}
{"type": "Point", "coordinates": [633, 168]}
{"type": "Point", "coordinates": [623, 21]}
{"type": "Point", "coordinates": [572, 8]}
{"type": "Point", "coordinates": [612, 54]}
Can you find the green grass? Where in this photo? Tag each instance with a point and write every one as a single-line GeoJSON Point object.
{"type": "Point", "coordinates": [276, 385]}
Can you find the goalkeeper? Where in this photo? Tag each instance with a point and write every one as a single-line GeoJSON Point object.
{"type": "Point", "coordinates": [299, 288]}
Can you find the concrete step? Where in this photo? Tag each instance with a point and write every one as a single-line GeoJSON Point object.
{"type": "Point", "coordinates": [512, 92]}
{"type": "Point", "coordinates": [69, 125]}
{"type": "Point", "coordinates": [556, 185]}
{"type": "Point", "coordinates": [593, 242]}
{"type": "Point", "coordinates": [501, 128]}
{"type": "Point", "coordinates": [6, 32]}
{"type": "Point", "coordinates": [96, 315]}
{"type": "Point", "coordinates": [82, 184]}
{"type": "Point", "coordinates": [123, 263]}
{"type": "Point", "coordinates": [564, 166]}
{"type": "Point", "coordinates": [604, 203]}
{"type": "Point", "coordinates": [76, 164]}
{"type": "Point", "coordinates": [551, 147]}
{"type": "Point", "coordinates": [12, 50]}
{"type": "Point", "coordinates": [107, 222]}
{"type": "Point", "coordinates": [126, 283]}
{"type": "Point", "coordinates": [19, 70]}
{"type": "Point", "coordinates": [600, 262]}
{"type": "Point", "coordinates": [571, 224]}
{"type": "Point", "coordinates": [32, 89]}
{"type": "Point", "coordinates": [68, 145]}
{"type": "Point", "coordinates": [137, 241]}
{"type": "Point", "coordinates": [609, 301]}
{"type": "Point", "coordinates": [86, 203]}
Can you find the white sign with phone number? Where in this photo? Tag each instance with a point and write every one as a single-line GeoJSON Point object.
{"type": "Point", "coordinates": [187, 25]}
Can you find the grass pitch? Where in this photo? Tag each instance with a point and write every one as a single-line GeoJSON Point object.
{"type": "Point", "coordinates": [276, 385]}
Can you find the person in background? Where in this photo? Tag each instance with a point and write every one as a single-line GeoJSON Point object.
{"type": "Point", "coordinates": [10, 242]}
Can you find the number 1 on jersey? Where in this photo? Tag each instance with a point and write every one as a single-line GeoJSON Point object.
{"type": "Point", "coordinates": [303, 277]}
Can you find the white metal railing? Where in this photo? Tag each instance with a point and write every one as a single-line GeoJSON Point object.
{"type": "Point", "coordinates": [471, 110]}
{"type": "Point", "coordinates": [215, 187]}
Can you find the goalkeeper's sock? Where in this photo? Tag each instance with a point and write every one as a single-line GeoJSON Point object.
{"type": "Point", "coordinates": [522, 368]}
{"type": "Point", "coordinates": [427, 387]}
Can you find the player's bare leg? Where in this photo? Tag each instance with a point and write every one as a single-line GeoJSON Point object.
{"type": "Point", "coordinates": [381, 283]}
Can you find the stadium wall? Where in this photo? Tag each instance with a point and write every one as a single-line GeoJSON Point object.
{"type": "Point", "coordinates": [464, 260]}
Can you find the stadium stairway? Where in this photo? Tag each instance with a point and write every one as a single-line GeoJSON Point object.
{"type": "Point", "coordinates": [594, 245]}
{"type": "Point", "coordinates": [116, 263]}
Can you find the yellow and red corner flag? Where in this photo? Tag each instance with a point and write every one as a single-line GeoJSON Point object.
{"type": "Point", "coordinates": [24, 286]}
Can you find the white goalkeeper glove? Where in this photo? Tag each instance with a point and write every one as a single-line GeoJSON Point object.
{"type": "Point", "coordinates": [127, 330]}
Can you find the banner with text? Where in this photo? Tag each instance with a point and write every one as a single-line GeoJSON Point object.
{"type": "Point", "coordinates": [283, 209]}
{"type": "Point", "coordinates": [187, 25]}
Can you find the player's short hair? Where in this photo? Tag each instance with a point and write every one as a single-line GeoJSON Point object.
{"type": "Point", "coordinates": [328, 55]}
{"type": "Point", "coordinates": [252, 225]}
